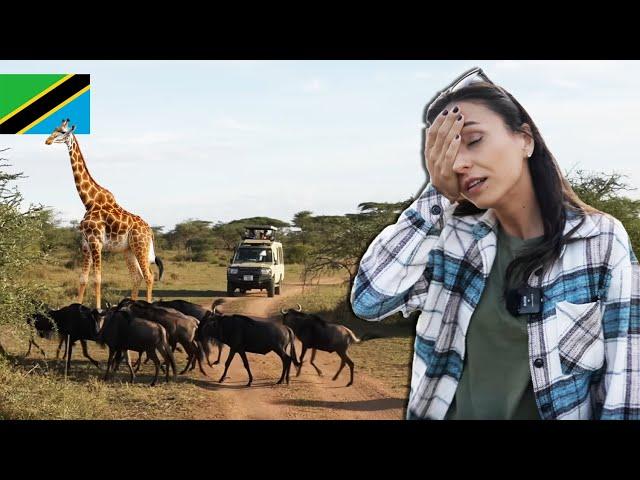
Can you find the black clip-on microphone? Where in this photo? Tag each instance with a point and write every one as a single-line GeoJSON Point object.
{"type": "Point", "coordinates": [524, 300]}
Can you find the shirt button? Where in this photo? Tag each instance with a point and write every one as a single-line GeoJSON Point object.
{"type": "Point", "coordinates": [538, 363]}
{"type": "Point", "coordinates": [436, 210]}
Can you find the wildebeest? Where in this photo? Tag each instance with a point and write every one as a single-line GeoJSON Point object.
{"type": "Point", "coordinates": [243, 334]}
{"type": "Point", "coordinates": [198, 312]}
{"type": "Point", "coordinates": [316, 333]}
{"type": "Point", "coordinates": [122, 331]}
{"type": "Point", "coordinates": [75, 320]}
{"type": "Point", "coordinates": [43, 327]}
{"type": "Point", "coordinates": [180, 328]}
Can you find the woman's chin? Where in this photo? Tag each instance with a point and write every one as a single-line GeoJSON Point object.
{"type": "Point", "coordinates": [478, 203]}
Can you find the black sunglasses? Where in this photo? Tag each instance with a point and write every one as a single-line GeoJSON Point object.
{"type": "Point", "coordinates": [467, 78]}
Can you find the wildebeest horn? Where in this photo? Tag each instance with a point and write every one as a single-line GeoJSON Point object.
{"type": "Point", "coordinates": [219, 301]}
{"type": "Point", "coordinates": [299, 307]}
{"type": "Point", "coordinates": [283, 311]}
{"type": "Point", "coordinates": [214, 309]}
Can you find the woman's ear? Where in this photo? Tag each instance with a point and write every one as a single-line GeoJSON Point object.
{"type": "Point", "coordinates": [529, 143]}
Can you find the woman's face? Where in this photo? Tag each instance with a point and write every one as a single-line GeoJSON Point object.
{"type": "Point", "coordinates": [489, 149]}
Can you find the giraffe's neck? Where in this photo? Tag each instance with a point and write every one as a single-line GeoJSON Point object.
{"type": "Point", "coordinates": [90, 192]}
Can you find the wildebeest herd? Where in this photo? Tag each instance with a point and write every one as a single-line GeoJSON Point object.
{"type": "Point", "coordinates": [159, 327]}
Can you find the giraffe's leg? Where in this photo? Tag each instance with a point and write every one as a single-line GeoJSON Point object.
{"type": "Point", "coordinates": [136, 278]}
{"type": "Point", "coordinates": [96, 255]}
{"type": "Point", "coordinates": [141, 251]}
{"type": "Point", "coordinates": [86, 268]}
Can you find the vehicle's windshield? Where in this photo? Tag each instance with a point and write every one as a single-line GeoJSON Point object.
{"type": "Point", "coordinates": [253, 254]}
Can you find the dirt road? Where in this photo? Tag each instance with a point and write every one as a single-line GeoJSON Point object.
{"type": "Point", "coordinates": [308, 396]}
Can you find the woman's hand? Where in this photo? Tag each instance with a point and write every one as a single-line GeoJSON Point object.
{"type": "Point", "coordinates": [441, 148]}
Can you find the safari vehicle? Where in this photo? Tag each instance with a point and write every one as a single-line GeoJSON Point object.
{"type": "Point", "coordinates": [257, 262]}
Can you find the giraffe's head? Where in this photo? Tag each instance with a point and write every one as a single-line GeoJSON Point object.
{"type": "Point", "coordinates": [61, 133]}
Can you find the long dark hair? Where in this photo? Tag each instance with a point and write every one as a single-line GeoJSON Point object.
{"type": "Point", "coordinates": [552, 190]}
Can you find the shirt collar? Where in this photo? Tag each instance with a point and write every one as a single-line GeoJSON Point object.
{"type": "Point", "coordinates": [489, 222]}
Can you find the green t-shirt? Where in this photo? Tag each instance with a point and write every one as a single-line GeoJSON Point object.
{"type": "Point", "coordinates": [496, 381]}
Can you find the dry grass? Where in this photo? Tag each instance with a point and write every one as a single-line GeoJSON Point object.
{"type": "Point", "coordinates": [35, 388]}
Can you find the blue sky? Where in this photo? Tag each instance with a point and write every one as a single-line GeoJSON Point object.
{"type": "Point", "coordinates": [221, 140]}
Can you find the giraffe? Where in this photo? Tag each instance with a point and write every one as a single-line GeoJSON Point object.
{"type": "Point", "coordinates": [106, 225]}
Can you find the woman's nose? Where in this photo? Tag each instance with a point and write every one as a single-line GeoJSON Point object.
{"type": "Point", "coordinates": [461, 163]}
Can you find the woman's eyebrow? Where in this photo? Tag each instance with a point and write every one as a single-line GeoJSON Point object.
{"type": "Point", "coordinates": [470, 123]}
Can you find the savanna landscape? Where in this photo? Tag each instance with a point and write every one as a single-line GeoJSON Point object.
{"type": "Point", "coordinates": [40, 262]}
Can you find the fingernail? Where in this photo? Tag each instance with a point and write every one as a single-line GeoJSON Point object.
{"type": "Point", "coordinates": [458, 137]}
{"type": "Point", "coordinates": [445, 112]}
{"type": "Point", "coordinates": [459, 117]}
{"type": "Point", "coordinates": [455, 110]}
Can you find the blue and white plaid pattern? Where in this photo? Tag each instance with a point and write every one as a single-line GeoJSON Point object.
{"type": "Point", "coordinates": [584, 348]}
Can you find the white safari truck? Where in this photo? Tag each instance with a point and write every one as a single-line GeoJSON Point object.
{"type": "Point", "coordinates": [257, 263]}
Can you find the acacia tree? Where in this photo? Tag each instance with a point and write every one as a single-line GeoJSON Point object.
{"type": "Point", "coordinates": [230, 233]}
{"type": "Point", "coordinates": [605, 192]}
{"type": "Point", "coordinates": [338, 242]}
{"type": "Point", "coordinates": [188, 230]}
{"type": "Point", "coordinates": [20, 247]}
{"type": "Point", "coordinates": [160, 242]}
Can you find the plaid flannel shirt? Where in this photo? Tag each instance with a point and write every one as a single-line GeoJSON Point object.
{"type": "Point", "coordinates": [584, 348]}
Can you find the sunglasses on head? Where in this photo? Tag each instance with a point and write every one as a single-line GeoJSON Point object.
{"type": "Point", "coordinates": [467, 78]}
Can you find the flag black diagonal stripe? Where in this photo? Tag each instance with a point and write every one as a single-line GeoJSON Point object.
{"type": "Point", "coordinates": [45, 104]}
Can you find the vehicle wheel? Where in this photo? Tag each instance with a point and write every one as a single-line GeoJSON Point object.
{"type": "Point", "coordinates": [230, 289]}
{"type": "Point", "coordinates": [271, 289]}
{"type": "Point", "coordinates": [243, 290]}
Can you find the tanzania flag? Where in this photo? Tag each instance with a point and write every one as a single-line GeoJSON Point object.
{"type": "Point", "coordinates": [37, 103]}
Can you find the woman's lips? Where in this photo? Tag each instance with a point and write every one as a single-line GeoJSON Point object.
{"type": "Point", "coordinates": [477, 186]}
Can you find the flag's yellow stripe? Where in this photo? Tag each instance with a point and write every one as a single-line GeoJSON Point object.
{"type": "Point", "coordinates": [40, 95]}
{"type": "Point", "coordinates": [51, 112]}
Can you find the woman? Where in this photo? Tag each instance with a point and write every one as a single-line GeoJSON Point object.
{"type": "Point", "coordinates": [529, 297]}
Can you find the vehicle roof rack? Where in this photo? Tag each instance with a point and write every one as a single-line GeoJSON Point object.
{"type": "Point", "coordinates": [261, 227]}
{"type": "Point", "coordinates": [268, 232]}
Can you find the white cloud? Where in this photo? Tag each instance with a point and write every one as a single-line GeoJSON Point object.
{"type": "Point", "coordinates": [510, 65]}
{"type": "Point", "coordinates": [580, 67]}
{"type": "Point", "coordinates": [238, 63]}
{"type": "Point", "coordinates": [150, 138]}
{"type": "Point", "coordinates": [563, 83]}
{"type": "Point", "coordinates": [230, 123]}
{"type": "Point", "coordinates": [556, 76]}
{"type": "Point", "coordinates": [313, 86]}
{"type": "Point", "coordinates": [116, 164]}
{"type": "Point", "coordinates": [559, 67]}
